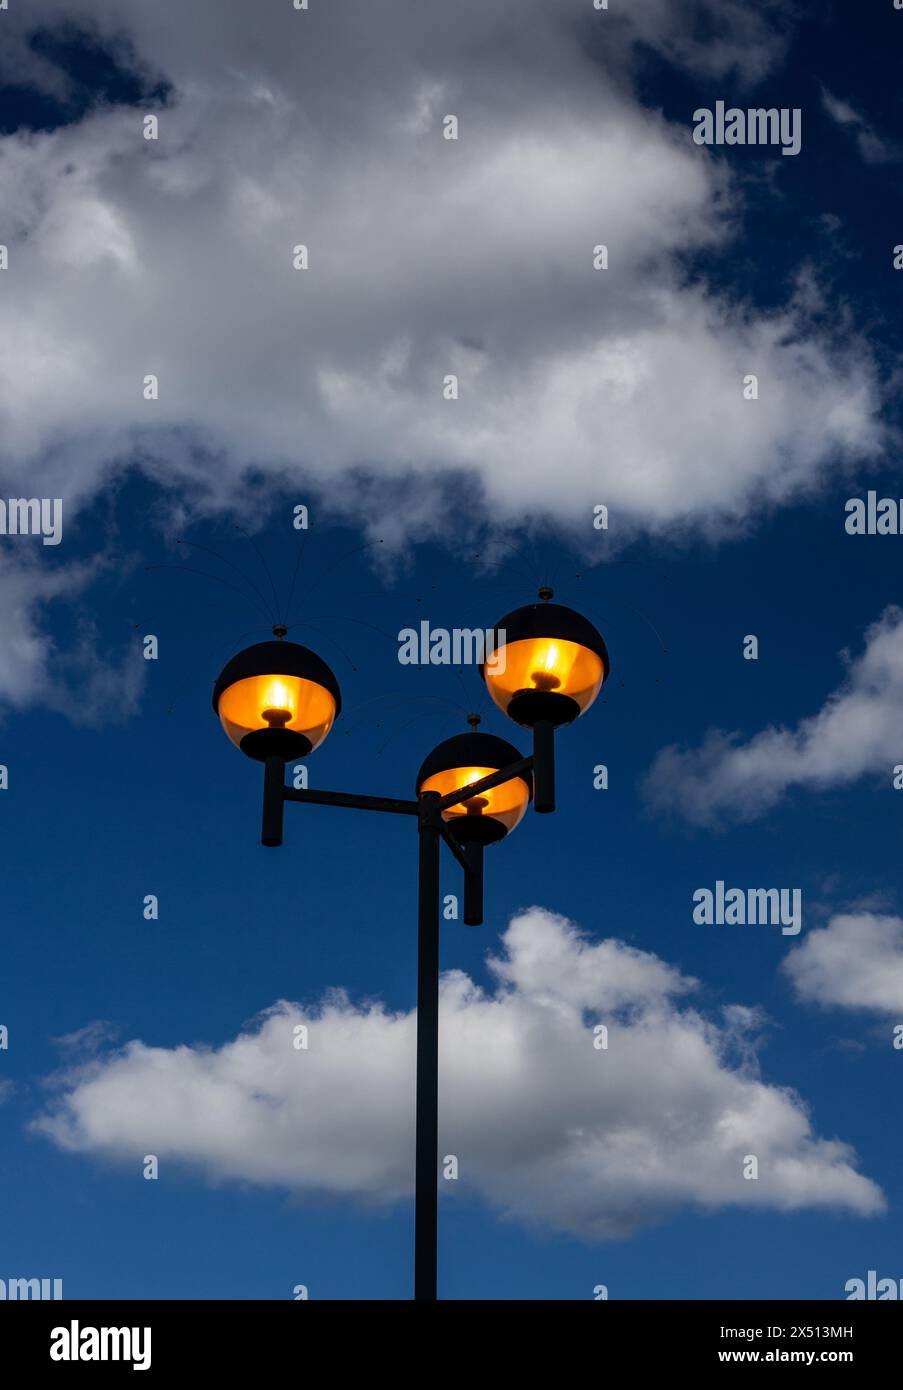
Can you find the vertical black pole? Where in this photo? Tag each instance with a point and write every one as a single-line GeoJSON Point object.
{"type": "Point", "coordinates": [273, 801]}
{"type": "Point", "coordinates": [543, 766]}
{"type": "Point", "coordinates": [473, 885]}
{"type": "Point", "coordinates": [426, 1195]}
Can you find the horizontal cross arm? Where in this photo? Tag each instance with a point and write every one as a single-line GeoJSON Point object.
{"type": "Point", "coordinates": [349, 799]}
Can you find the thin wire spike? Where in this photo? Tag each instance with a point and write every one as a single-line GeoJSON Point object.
{"type": "Point", "coordinates": [195, 545]}
{"type": "Point", "coordinates": [188, 569]}
{"type": "Point", "coordinates": [557, 570]}
{"type": "Point", "coordinates": [424, 714]}
{"type": "Point", "coordinates": [354, 713]}
{"type": "Point", "coordinates": [536, 565]}
{"type": "Point", "coordinates": [465, 692]}
{"type": "Point", "coordinates": [521, 571]}
{"type": "Point", "coordinates": [336, 644]}
{"type": "Point", "coordinates": [291, 592]}
{"type": "Point", "coordinates": [616, 598]}
{"type": "Point", "coordinates": [629, 654]}
{"type": "Point", "coordinates": [234, 642]}
{"type": "Point", "coordinates": [358, 550]}
{"type": "Point", "coordinates": [498, 593]}
{"type": "Point", "coordinates": [262, 559]}
{"type": "Point", "coordinates": [342, 618]}
{"type": "Point", "coordinates": [212, 652]}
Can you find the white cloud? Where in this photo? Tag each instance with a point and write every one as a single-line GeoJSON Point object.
{"type": "Point", "coordinates": [88, 677]}
{"type": "Point", "coordinates": [173, 257]}
{"type": "Point", "coordinates": [873, 149]}
{"type": "Point", "coordinates": [855, 962]}
{"type": "Point", "coordinates": [856, 732]}
{"type": "Point", "coordinates": [546, 1128]}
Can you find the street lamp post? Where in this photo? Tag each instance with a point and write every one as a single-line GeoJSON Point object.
{"type": "Point", "coordinates": [277, 701]}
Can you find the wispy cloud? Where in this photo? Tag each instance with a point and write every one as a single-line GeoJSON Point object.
{"type": "Point", "coordinates": [856, 732]}
{"type": "Point", "coordinates": [86, 677]}
{"type": "Point", "coordinates": [873, 148]}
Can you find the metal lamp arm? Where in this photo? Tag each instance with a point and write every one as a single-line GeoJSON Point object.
{"type": "Point", "coordinates": [276, 793]}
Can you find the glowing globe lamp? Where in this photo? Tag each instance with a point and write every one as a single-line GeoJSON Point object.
{"type": "Point", "coordinates": [277, 699]}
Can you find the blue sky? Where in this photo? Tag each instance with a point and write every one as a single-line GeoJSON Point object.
{"type": "Point", "coordinates": [122, 783]}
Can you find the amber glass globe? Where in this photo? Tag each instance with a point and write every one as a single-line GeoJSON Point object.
{"type": "Point", "coordinates": [467, 758]}
{"type": "Point", "coordinates": [277, 699]}
{"type": "Point", "coordinates": [547, 662]}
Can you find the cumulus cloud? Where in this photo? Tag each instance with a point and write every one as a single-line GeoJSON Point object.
{"type": "Point", "coordinates": [872, 147]}
{"type": "Point", "coordinates": [856, 732]}
{"type": "Point", "coordinates": [855, 962]}
{"type": "Point", "coordinates": [547, 1128]}
{"type": "Point", "coordinates": [427, 258]}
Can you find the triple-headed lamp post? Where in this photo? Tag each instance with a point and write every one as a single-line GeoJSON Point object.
{"type": "Point", "coordinates": [277, 701]}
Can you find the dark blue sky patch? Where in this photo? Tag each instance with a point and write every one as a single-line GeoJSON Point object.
{"type": "Point", "coordinates": [99, 73]}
